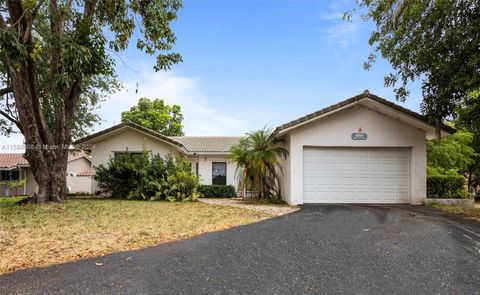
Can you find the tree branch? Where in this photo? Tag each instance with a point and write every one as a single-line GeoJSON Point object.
{"type": "Point", "coordinates": [6, 91]}
{"type": "Point", "coordinates": [11, 119]}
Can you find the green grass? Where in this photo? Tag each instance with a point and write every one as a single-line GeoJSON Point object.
{"type": "Point", "coordinates": [38, 235]}
{"type": "Point", "coordinates": [9, 201]}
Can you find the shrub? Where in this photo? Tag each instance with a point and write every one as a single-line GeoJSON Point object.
{"type": "Point", "coordinates": [181, 186]}
{"type": "Point", "coordinates": [147, 177]}
{"type": "Point", "coordinates": [446, 186]}
{"type": "Point", "coordinates": [217, 191]}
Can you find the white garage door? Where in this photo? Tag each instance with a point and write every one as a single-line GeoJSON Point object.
{"type": "Point", "coordinates": [356, 175]}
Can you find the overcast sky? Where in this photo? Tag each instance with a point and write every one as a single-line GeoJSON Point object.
{"type": "Point", "coordinates": [249, 64]}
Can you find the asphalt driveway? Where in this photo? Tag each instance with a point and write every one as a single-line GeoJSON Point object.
{"type": "Point", "coordinates": [333, 249]}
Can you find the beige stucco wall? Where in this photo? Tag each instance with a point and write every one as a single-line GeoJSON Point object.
{"type": "Point", "coordinates": [205, 169]}
{"type": "Point", "coordinates": [336, 130]}
{"type": "Point", "coordinates": [75, 183]}
{"type": "Point", "coordinates": [285, 175]}
{"type": "Point", "coordinates": [78, 165]}
{"type": "Point", "coordinates": [31, 185]}
{"type": "Point", "coordinates": [79, 184]}
{"type": "Point", "coordinates": [127, 138]}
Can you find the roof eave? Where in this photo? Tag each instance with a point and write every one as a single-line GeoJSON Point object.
{"type": "Point", "coordinates": [90, 138]}
{"type": "Point", "coordinates": [348, 103]}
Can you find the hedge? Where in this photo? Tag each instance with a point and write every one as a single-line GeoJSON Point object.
{"type": "Point", "coordinates": [217, 191]}
{"type": "Point", "coordinates": [446, 186]}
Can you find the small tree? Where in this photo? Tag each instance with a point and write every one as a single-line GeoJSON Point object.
{"type": "Point", "coordinates": [11, 185]}
{"type": "Point", "coordinates": [157, 116]}
{"type": "Point", "coordinates": [258, 157]}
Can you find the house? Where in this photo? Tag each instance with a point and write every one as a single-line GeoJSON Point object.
{"type": "Point", "coordinates": [207, 154]}
{"type": "Point", "coordinates": [14, 167]}
{"type": "Point", "coordinates": [362, 150]}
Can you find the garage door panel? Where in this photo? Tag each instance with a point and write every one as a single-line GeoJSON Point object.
{"type": "Point", "coordinates": [356, 175]}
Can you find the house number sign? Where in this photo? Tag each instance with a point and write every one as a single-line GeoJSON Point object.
{"type": "Point", "coordinates": [359, 136]}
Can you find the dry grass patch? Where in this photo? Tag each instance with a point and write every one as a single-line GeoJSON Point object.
{"type": "Point", "coordinates": [39, 235]}
{"type": "Point", "coordinates": [471, 212]}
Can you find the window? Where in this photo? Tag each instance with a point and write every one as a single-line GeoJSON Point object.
{"type": "Point", "coordinates": [10, 175]}
{"type": "Point", "coordinates": [219, 173]}
{"type": "Point", "coordinates": [196, 168]}
{"type": "Point", "coordinates": [135, 155]}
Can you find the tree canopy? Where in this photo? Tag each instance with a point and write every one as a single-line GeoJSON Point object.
{"type": "Point", "coordinates": [157, 116]}
{"type": "Point", "coordinates": [468, 118]}
{"type": "Point", "coordinates": [56, 64]}
{"type": "Point", "coordinates": [451, 154]}
{"type": "Point", "coordinates": [435, 41]}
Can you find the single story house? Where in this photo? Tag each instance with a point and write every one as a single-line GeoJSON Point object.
{"type": "Point", "coordinates": [207, 154]}
{"type": "Point", "coordinates": [14, 167]}
{"type": "Point", "coordinates": [362, 150]}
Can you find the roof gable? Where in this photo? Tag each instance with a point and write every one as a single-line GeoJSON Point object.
{"type": "Point", "coordinates": [366, 95]}
{"type": "Point", "coordinates": [110, 131]}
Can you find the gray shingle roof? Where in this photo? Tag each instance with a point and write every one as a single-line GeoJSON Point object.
{"type": "Point", "coordinates": [206, 144]}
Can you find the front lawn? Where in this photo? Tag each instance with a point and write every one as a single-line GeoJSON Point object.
{"type": "Point", "coordinates": [7, 201]}
{"type": "Point", "coordinates": [39, 235]}
{"type": "Point", "coordinates": [471, 213]}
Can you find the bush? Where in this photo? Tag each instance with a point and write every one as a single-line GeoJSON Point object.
{"type": "Point", "coordinates": [217, 191]}
{"type": "Point", "coordinates": [181, 186]}
{"type": "Point", "coordinates": [446, 186]}
{"type": "Point", "coordinates": [147, 177]}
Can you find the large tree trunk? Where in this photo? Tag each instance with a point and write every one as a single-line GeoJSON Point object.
{"type": "Point", "coordinates": [46, 146]}
{"type": "Point", "coordinates": [50, 176]}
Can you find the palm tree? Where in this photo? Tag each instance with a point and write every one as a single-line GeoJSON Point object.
{"type": "Point", "coordinates": [258, 157]}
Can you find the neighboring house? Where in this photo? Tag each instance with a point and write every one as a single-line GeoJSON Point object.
{"type": "Point", "coordinates": [14, 167]}
{"type": "Point", "coordinates": [208, 155]}
{"type": "Point", "coordinates": [362, 150]}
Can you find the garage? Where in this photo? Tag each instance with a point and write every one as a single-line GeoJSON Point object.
{"type": "Point", "coordinates": [356, 175]}
{"type": "Point", "coordinates": [364, 149]}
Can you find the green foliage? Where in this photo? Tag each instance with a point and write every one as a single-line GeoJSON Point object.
{"type": "Point", "coordinates": [432, 40]}
{"type": "Point", "coordinates": [67, 49]}
{"type": "Point", "coordinates": [451, 153]}
{"type": "Point", "coordinates": [257, 156]}
{"type": "Point", "coordinates": [446, 186]}
{"type": "Point", "coordinates": [468, 118]}
{"type": "Point", "coordinates": [217, 191]}
{"type": "Point", "coordinates": [157, 116]}
{"type": "Point", "coordinates": [431, 170]}
{"type": "Point", "coordinates": [14, 185]}
{"type": "Point", "coordinates": [180, 186]}
{"type": "Point", "coordinates": [147, 177]}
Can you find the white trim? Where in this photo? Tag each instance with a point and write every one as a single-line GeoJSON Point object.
{"type": "Point", "coordinates": [424, 126]}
